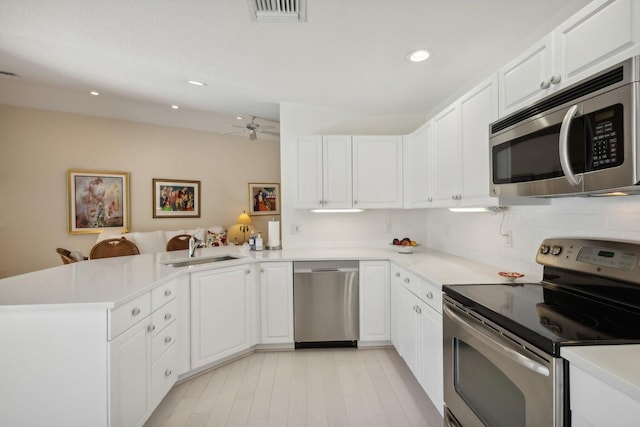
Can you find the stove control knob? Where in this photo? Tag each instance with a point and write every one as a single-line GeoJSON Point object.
{"type": "Point", "coordinates": [544, 249]}
{"type": "Point", "coordinates": [555, 250]}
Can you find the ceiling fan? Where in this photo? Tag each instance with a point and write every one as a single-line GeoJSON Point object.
{"type": "Point", "coordinates": [254, 128]}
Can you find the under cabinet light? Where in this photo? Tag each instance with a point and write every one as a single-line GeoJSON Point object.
{"type": "Point", "coordinates": [494, 209]}
{"type": "Point", "coordinates": [336, 210]}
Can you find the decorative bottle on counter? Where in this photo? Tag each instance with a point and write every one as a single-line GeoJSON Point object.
{"type": "Point", "coordinates": [252, 241]}
{"type": "Point", "coordinates": [259, 242]}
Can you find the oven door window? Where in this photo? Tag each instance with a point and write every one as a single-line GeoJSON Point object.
{"type": "Point", "coordinates": [536, 156]}
{"type": "Point", "coordinates": [493, 397]}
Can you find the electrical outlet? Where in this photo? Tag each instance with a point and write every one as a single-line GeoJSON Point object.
{"type": "Point", "coordinates": [294, 229]}
{"type": "Point", "coordinates": [508, 239]}
{"type": "Point", "coordinates": [387, 226]}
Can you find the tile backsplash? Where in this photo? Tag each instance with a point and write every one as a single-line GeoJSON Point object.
{"type": "Point", "coordinates": [478, 236]}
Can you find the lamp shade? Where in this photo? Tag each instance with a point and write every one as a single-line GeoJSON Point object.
{"type": "Point", "coordinates": [244, 218]}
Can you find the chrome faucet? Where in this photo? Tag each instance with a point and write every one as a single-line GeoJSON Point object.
{"type": "Point", "coordinates": [194, 243]}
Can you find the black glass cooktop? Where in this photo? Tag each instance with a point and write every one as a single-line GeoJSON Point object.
{"type": "Point", "coordinates": [564, 309]}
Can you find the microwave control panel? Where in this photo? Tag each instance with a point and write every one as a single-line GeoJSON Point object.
{"type": "Point", "coordinates": [606, 138]}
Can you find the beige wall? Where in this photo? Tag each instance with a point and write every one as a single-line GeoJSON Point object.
{"type": "Point", "coordinates": [38, 147]}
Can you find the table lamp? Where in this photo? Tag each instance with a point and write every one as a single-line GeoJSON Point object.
{"type": "Point", "coordinates": [244, 220]}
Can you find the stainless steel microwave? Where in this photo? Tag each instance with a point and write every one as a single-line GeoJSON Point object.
{"type": "Point", "coordinates": [582, 140]}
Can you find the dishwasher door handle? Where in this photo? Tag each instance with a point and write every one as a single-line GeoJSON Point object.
{"type": "Point", "coordinates": [325, 270]}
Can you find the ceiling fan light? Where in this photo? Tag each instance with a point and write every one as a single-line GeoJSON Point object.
{"type": "Point", "coordinates": [252, 135]}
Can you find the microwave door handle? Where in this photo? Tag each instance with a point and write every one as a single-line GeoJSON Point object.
{"type": "Point", "coordinates": [515, 356]}
{"type": "Point", "coordinates": [564, 147]}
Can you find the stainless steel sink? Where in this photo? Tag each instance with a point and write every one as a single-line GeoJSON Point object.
{"type": "Point", "coordinates": [197, 261]}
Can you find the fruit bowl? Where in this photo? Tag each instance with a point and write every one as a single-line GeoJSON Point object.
{"type": "Point", "coordinates": [405, 246]}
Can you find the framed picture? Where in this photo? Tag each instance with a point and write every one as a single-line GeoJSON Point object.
{"type": "Point", "coordinates": [175, 198]}
{"type": "Point", "coordinates": [98, 201]}
{"type": "Point", "coordinates": [264, 199]}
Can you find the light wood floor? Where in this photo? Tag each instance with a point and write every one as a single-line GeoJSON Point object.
{"type": "Point", "coordinates": [316, 387]}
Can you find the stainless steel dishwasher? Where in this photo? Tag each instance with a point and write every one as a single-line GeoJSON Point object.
{"type": "Point", "coordinates": [326, 304]}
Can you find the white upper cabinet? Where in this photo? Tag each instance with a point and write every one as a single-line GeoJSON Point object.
{"type": "Point", "coordinates": [416, 149]}
{"type": "Point", "coordinates": [309, 194]}
{"type": "Point", "coordinates": [377, 172]}
{"type": "Point", "coordinates": [600, 35]}
{"type": "Point", "coordinates": [478, 108]}
{"type": "Point", "coordinates": [447, 166]}
{"type": "Point", "coordinates": [336, 172]}
{"type": "Point", "coordinates": [324, 172]}
{"type": "Point", "coordinates": [527, 77]}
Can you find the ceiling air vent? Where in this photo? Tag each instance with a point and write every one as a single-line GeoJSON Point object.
{"type": "Point", "coordinates": [278, 10]}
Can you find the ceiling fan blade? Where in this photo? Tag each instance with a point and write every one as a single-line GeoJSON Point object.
{"type": "Point", "coordinates": [266, 132]}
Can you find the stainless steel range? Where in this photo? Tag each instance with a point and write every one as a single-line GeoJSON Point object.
{"type": "Point", "coordinates": [502, 364]}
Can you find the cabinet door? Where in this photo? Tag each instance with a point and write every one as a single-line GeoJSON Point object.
{"type": "Point", "coordinates": [411, 332]}
{"type": "Point", "coordinates": [220, 318]}
{"type": "Point", "coordinates": [600, 35]}
{"type": "Point", "coordinates": [527, 77]}
{"type": "Point", "coordinates": [276, 301]}
{"type": "Point", "coordinates": [309, 173]}
{"type": "Point", "coordinates": [377, 171]}
{"type": "Point", "coordinates": [446, 166]}
{"type": "Point", "coordinates": [375, 307]}
{"type": "Point", "coordinates": [337, 172]}
{"type": "Point", "coordinates": [416, 151]}
{"type": "Point", "coordinates": [430, 351]}
{"type": "Point", "coordinates": [478, 109]}
{"type": "Point", "coordinates": [130, 376]}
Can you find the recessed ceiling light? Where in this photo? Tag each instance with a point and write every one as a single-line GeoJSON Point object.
{"type": "Point", "coordinates": [94, 93]}
{"type": "Point", "coordinates": [238, 118]}
{"type": "Point", "coordinates": [196, 83]}
{"type": "Point", "coordinates": [419, 55]}
{"type": "Point", "coordinates": [175, 107]}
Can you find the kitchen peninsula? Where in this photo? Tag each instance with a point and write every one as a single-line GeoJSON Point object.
{"type": "Point", "coordinates": [101, 342]}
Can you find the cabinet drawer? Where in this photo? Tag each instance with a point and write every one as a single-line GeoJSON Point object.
{"type": "Point", "coordinates": [163, 294]}
{"type": "Point", "coordinates": [127, 315]}
{"type": "Point", "coordinates": [408, 280]}
{"type": "Point", "coordinates": [163, 375]}
{"type": "Point", "coordinates": [431, 294]}
{"type": "Point", "coordinates": [163, 340]}
{"type": "Point", "coordinates": [162, 317]}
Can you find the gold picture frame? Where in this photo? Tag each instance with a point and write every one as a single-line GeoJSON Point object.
{"type": "Point", "coordinates": [176, 198]}
{"type": "Point", "coordinates": [264, 199]}
{"type": "Point", "coordinates": [98, 201]}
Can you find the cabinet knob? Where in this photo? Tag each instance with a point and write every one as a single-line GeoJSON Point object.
{"type": "Point", "coordinates": [262, 270]}
{"type": "Point", "coordinates": [555, 79]}
{"type": "Point", "coordinates": [247, 271]}
{"type": "Point", "coordinates": [545, 84]}
{"type": "Point", "coordinates": [167, 316]}
{"type": "Point", "coordinates": [167, 340]}
{"type": "Point", "coordinates": [430, 199]}
{"type": "Point", "coordinates": [135, 311]}
{"type": "Point", "coordinates": [397, 274]}
{"type": "Point", "coordinates": [355, 202]}
{"type": "Point", "coordinates": [167, 293]}
{"type": "Point", "coordinates": [151, 328]}
{"type": "Point", "coordinates": [407, 280]}
{"type": "Point", "coordinates": [168, 373]}
{"type": "Point", "coordinates": [429, 295]}
{"type": "Point", "coordinates": [418, 310]}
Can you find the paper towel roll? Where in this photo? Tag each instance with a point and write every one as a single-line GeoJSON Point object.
{"type": "Point", "coordinates": [274, 234]}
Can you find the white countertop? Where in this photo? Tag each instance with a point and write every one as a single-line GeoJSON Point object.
{"type": "Point", "coordinates": [616, 365]}
{"type": "Point", "coordinates": [110, 282]}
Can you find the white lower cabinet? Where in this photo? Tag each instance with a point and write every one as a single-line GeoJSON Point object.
{"type": "Point", "coordinates": [143, 359]}
{"type": "Point", "coordinates": [375, 307]}
{"type": "Point", "coordinates": [221, 314]}
{"type": "Point", "coordinates": [276, 302]}
{"type": "Point", "coordinates": [130, 376]}
{"type": "Point", "coordinates": [416, 322]}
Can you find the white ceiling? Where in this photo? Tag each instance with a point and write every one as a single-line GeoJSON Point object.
{"type": "Point", "coordinates": [348, 55]}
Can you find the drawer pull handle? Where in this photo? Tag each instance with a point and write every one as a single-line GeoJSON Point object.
{"type": "Point", "coordinates": [151, 328]}
{"type": "Point", "coordinates": [167, 293]}
{"type": "Point", "coordinates": [167, 373]}
{"type": "Point", "coordinates": [167, 340]}
{"type": "Point", "coordinates": [429, 295]}
{"type": "Point", "coordinates": [135, 311]}
{"type": "Point", "coordinates": [167, 316]}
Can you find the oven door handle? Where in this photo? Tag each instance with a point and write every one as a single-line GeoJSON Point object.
{"type": "Point", "coordinates": [563, 147]}
{"type": "Point", "coordinates": [520, 359]}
